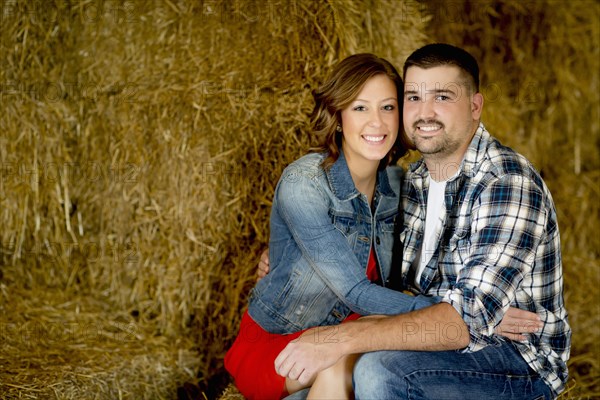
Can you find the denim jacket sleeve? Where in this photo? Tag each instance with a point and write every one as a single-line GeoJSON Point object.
{"type": "Point", "coordinates": [304, 207]}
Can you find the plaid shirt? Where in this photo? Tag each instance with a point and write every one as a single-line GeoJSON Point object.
{"type": "Point", "coordinates": [499, 246]}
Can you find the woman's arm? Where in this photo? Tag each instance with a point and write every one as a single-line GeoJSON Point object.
{"type": "Point", "coordinates": [513, 325]}
{"type": "Point", "coordinates": [302, 209]}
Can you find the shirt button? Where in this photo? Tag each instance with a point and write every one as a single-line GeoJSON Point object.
{"type": "Point", "coordinates": [377, 240]}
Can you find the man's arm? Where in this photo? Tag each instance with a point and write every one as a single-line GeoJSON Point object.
{"type": "Point", "coordinates": [513, 325]}
{"type": "Point", "coordinates": [263, 265]}
{"type": "Point", "coordinates": [508, 221]}
{"type": "Point", "coordinates": [435, 328]}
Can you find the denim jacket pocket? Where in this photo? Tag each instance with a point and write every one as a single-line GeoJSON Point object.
{"type": "Point", "coordinates": [387, 225]}
{"type": "Point", "coordinates": [348, 227]}
{"type": "Point", "coordinates": [283, 294]}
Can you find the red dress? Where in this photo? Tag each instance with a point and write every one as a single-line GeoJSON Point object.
{"type": "Point", "coordinates": [251, 359]}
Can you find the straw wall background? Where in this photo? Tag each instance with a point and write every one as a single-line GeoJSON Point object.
{"type": "Point", "coordinates": [140, 142]}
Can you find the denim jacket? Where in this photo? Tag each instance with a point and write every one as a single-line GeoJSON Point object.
{"type": "Point", "coordinates": [322, 229]}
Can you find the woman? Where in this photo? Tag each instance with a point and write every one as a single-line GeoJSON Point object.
{"type": "Point", "coordinates": [332, 225]}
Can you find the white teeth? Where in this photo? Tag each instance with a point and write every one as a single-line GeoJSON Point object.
{"type": "Point", "coordinates": [429, 128]}
{"type": "Point", "coordinates": [374, 138]}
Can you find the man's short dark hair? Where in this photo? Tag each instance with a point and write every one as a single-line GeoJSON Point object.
{"type": "Point", "coordinates": [439, 54]}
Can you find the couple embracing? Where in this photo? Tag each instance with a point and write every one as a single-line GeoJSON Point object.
{"type": "Point", "coordinates": [442, 283]}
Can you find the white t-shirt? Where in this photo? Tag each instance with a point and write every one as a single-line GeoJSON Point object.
{"type": "Point", "coordinates": [433, 226]}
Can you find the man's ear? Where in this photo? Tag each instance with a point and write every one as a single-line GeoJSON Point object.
{"type": "Point", "coordinates": [477, 105]}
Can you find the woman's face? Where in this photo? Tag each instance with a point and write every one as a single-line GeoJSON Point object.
{"type": "Point", "coordinates": [370, 123]}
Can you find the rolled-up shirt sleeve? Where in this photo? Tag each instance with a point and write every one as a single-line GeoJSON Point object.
{"type": "Point", "coordinates": [507, 224]}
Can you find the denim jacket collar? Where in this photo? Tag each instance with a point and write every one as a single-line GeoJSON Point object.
{"type": "Point", "coordinates": [343, 186]}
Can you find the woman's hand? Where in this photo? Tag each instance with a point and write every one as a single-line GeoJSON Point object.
{"type": "Point", "coordinates": [516, 322]}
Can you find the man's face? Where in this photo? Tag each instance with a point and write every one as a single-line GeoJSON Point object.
{"type": "Point", "coordinates": [440, 112]}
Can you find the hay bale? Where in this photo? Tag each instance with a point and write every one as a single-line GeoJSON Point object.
{"type": "Point", "coordinates": [141, 144]}
{"type": "Point", "coordinates": [231, 393]}
{"type": "Point", "coordinates": [54, 345]}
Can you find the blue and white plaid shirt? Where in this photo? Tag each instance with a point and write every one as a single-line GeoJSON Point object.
{"type": "Point", "coordinates": [499, 246]}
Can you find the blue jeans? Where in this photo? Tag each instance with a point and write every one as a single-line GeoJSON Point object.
{"type": "Point", "coordinates": [493, 373]}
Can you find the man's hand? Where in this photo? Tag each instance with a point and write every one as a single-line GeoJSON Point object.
{"type": "Point", "coordinates": [319, 348]}
{"type": "Point", "coordinates": [303, 358]}
{"type": "Point", "coordinates": [516, 322]}
{"type": "Point", "coordinates": [263, 265]}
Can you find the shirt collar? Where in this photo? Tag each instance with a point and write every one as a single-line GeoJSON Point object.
{"type": "Point", "coordinates": [476, 152]}
{"type": "Point", "coordinates": [343, 186]}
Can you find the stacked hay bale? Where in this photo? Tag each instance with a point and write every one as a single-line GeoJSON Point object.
{"type": "Point", "coordinates": [141, 142]}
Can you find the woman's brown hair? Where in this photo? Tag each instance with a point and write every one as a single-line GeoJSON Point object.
{"type": "Point", "coordinates": [339, 91]}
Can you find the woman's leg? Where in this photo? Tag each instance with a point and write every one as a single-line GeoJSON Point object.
{"type": "Point", "coordinates": [251, 361]}
{"type": "Point", "coordinates": [292, 386]}
{"type": "Point", "coordinates": [335, 382]}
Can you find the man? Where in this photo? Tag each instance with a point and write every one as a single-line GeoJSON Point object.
{"type": "Point", "coordinates": [479, 231]}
